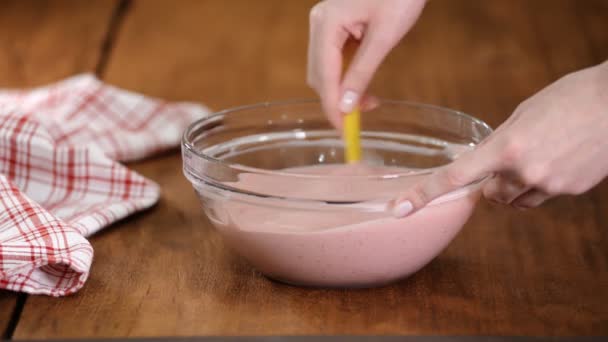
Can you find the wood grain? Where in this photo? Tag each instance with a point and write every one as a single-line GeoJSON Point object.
{"type": "Point", "coordinates": [42, 41]}
{"type": "Point", "coordinates": [8, 301]}
{"type": "Point", "coordinates": [166, 272]}
{"type": "Point", "coordinates": [221, 53]}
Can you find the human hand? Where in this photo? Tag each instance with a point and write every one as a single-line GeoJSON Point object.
{"type": "Point", "coordinates": [555, 143]}
{"type": "Point", "coordinates": [377, 24]}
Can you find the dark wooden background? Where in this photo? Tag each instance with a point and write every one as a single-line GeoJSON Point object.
{"type": "Point", "coordinates": [165, 272]}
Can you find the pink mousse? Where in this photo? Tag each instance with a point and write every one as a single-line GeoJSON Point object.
{"type": "Point", "coordinates": [355, 246]}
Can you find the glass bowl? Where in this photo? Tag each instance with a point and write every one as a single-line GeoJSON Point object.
{"type": "Point", "coordinates": [272, 180]}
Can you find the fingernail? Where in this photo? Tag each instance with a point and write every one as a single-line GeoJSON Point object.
{"type": "Point", "coordinates": [348, 102]}
{"type": "Point", "coordinates": [402, 209]}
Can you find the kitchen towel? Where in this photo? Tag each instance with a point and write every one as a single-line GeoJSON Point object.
{"type": "Point", "coordinates": [60, 179]}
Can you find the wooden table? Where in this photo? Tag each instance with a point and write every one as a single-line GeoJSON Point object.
{"type": "Point", "coordinates": [165, 272]}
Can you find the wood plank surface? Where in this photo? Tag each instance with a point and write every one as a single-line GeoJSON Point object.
{"type": "Point", "coordinates": [166, 272]}
{"type": "Point", "coordinates": [8, 301]}
{"type": "Point", "coordinates": [43, 41]}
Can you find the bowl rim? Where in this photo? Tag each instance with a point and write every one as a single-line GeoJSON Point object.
{"type": "Point", "coordinates": [188, 145]}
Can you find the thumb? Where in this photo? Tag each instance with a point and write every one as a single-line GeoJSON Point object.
{"type": "Point", "coordinates": [469, 168]}
{"type": "Point", "coordinates": [374, 47]}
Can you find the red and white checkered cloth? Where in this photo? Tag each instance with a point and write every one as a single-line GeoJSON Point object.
{"type": "Point", "coordinates": [59, 179]}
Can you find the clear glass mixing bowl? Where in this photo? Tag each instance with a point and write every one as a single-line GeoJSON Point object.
{"type": "Point", "coordinates": [329, 227]}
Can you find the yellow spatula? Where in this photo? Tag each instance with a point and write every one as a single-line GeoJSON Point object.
{"type": "Point", "coordinates": [352, 136]}
{"type": "Point", "coordinates": [352, 120]}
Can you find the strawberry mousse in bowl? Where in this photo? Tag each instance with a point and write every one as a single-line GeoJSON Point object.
{"type": "Point", "coordinates": [271, 178]}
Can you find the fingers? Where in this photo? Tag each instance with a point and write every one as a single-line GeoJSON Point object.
{"type": "Point", "coordinates": [378, 25]}
{"type": "Point", "coordinates": [326, 40]}
{"type": "Point", "coordinates": [374, 47]}
{"type": "Point", "coordinates": [531, 199]}
{"type": "Point", "coordinates": [368, 103]}
{"type": "Point", "coordinates": [384, 30]}
{"type": "Point", "coordinates": [469, 168]}
{"type": "Point", "coordinates": [504, 189]}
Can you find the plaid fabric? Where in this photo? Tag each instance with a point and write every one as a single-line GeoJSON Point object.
{"type": "Point", "coordinates": [59, 179]}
